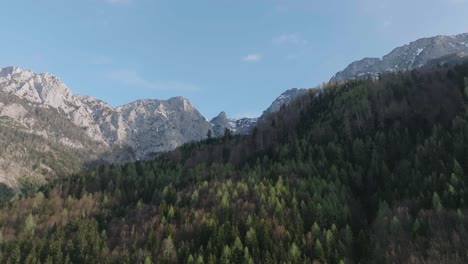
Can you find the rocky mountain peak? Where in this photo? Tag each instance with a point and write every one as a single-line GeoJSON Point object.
{"type": "Point", "coordinates": [284, 99]}
{"type": "Point", "coordinates": [9, 71]}
{"type": "Point", "coordinates": [181, 102]}
{"type": "Point", "coordinates": [413, 55]}
{"type": "Point", "coordinates": [222, 117]}
{"type": "Point", "coordinates": [220, 123]}
{"type": "Point", "coordinates": [45, 88]}
{"type": "Point", "coordinates": [145, 126]}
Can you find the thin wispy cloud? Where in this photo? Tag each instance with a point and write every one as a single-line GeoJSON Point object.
{"type": "Point", "coordinates": [254, 57]}
{"type": "Point", "coordinates": [118, 2]}
{"type": "Point", "coordinates": [292, 39]}
{"type": "Point", "coordinates": [100, 60]}
{"type": "Point", "coordinates": [132, 78]}
{"type": "Point", "coordinates": [292, 56]}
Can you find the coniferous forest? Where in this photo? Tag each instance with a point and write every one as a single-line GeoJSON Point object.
{"type": "Point", "coordinates": [364, 171]}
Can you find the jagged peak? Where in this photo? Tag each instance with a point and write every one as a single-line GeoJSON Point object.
{"type": "Point", "coordinates": [185, 103]}
{"type": "Point", "coordinates": [222, 115]}
{"type": "Point", "coordinates": [178, 102]}
{"type": "Point", "coordinates": [14, 70]}
{"type": "Point", "coordinates": [10, 71]}
{"type": "Point", "coordinates": [220, 118]}
{"type": "Point", "coordinates": [92, 100]}
{"type": "Point", "coordinates": [178, 99]}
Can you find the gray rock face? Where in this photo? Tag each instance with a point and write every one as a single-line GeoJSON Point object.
{"type": "Point", "coordinates": [284, 99]}
{"type": "Point", "coordinates": [153, 126]}
{"type": "Point", "coordinates": [147, 127]}
{"type": "Point", "coordinates": [448, 60]}
{"type": "Point", "coordinates": [240, 126]}
{"type": "Point", "coordinates": [40, 110]}
{"type": "Point", "coordinates": [47, 91]}
{"type": "Point", "coordinates": [410, 56]}
{"type": "Point", "coordinates": [245, 125]}
{"type": "Point", "coordinates": [220, 123]}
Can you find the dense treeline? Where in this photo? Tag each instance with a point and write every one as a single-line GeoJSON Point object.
{"type": "Point", "coordinates": [367, 171]}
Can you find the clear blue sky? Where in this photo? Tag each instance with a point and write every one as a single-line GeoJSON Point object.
{"type": "Point", "coordinates": [231, 55]}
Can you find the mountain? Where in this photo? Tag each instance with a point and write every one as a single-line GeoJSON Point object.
{"type": "Point", "coordinates": [448, 60]}
{"type": "Point", "coordinates": [94, 130]}
{"type": "Point", "coordinates": [220, 123]}
{"type": "Point", "coordinates": [236, 125]}
{"type": "Point", "coordinates": [148, 127]}
{"type": "Point", "coordinates": [284, 99]}
{"type": "Point", "coordinates": [407, 57]}
{"type": "Point", "coordinates": [76, 129]}
{"type": "Point", "coordinates": [365, 171]}
{"type": "Point", "coordinates": [39, 115]}
{"type": "Point", "coordinates": [245, 125]}
{"type": "Point", "coordinates": [45, 129]}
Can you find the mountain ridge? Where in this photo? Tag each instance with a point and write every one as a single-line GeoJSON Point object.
{"type": "Point", "coordinates": [137, 130]}
{"type": "Point", "coordinates": [407, 57]}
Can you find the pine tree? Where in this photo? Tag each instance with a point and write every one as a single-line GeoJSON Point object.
{"type": "Point", "coordinates": [436, 204]}
{"type": "Point", "coordinates": [30, 224]}
{"type": "Point", "coordinates": [226, 256]}
{"type": "Point", "coordinates": [319, 253]}
{"type": "Point", "coordinates": [148, 260]}
{"type": "Point", "coordinates": [294, 253]}
{"type": "Point", "coordinates": [168, 249]}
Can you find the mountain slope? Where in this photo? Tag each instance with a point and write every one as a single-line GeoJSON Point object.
{"type": "Point", "coordinates": [155, 126]}
{"type": "Point", "coordinates": [137, 130]}
{"type": "Point", "coordinates": [407, 57]}
{"type": "Point", "coordinates": [79, 129]}
{"type": "Point", "coordinates": [40, 142]}
{"type": "Point", "coordinates": [284, 99]}
{"type": "Point", "coordinates": [246, 125]}
{"type": "Point", "coordinates": [365, 171]}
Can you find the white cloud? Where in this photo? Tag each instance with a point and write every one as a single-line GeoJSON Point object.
{"type": "Point", "coordinates": [255, 57]}
{"type": "Point", "coordinates": [130, 77]}
{"type": "Point", "coordinates": [294, 39]}
{"type": "Point", "coordinates": [101, 60]}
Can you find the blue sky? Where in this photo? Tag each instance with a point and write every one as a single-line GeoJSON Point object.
{"type": "Point", "coordinates": [223, 55]}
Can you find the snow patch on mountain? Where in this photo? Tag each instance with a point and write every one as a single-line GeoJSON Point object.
{"type": "Point", "coordinates": [407, 57]}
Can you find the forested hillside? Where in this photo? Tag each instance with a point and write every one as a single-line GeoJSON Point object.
{"type": "Point", "coordinates": [368, 171]}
